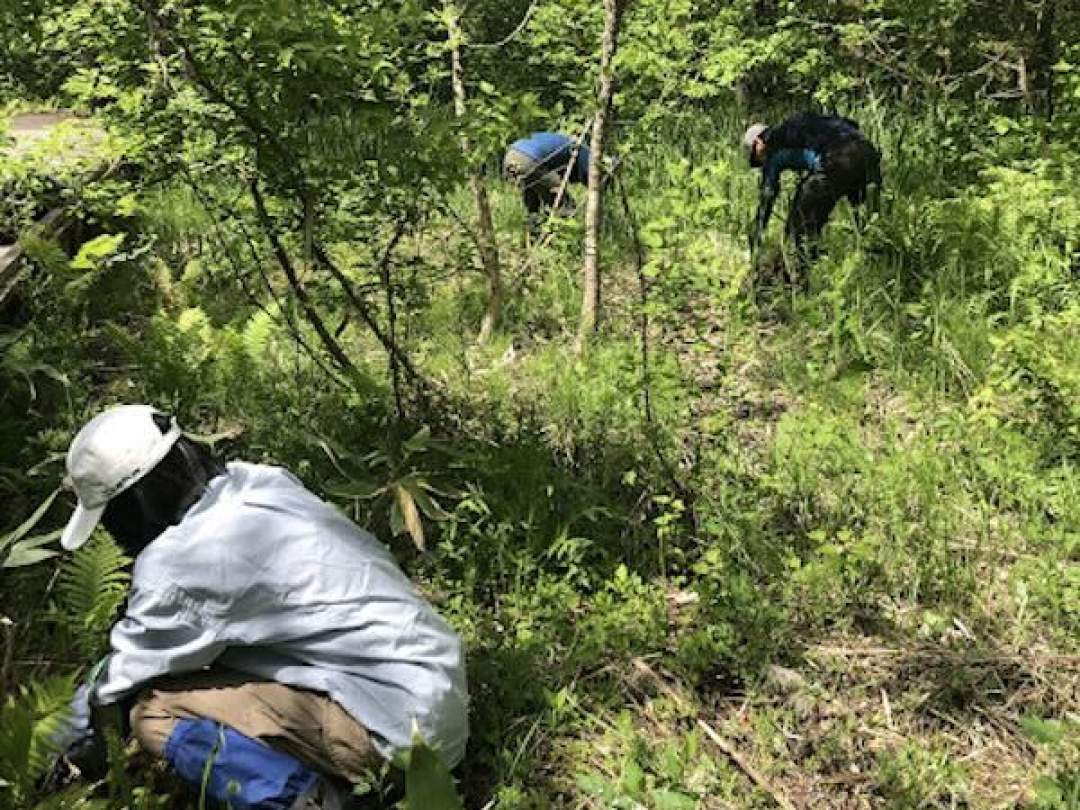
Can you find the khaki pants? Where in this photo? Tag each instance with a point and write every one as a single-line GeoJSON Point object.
{"type": "Point", "coordinates": [308, 725]}
{"type": "Point", "coordinates": [539, 188]}
{"type": "Point", "coordinates": [526, 171]}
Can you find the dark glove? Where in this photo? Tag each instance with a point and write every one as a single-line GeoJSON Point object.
{"type": "Point", "coordinates": [89, 757]}
{"type": "Point", "coordinates": [82, 747]}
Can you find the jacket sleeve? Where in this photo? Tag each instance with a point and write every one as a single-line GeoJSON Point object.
{"type": "Point", "coordinates": [161, 634]}
{"type": "Point", "coordinates": [770, 189]}
{"type": "Point", "coordinates": [581, 167]}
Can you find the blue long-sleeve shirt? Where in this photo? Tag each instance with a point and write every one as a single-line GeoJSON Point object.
{"type": "Point", "coordinates": [803, 160]}
{"type": "Point", "coordinates": [553, 150]}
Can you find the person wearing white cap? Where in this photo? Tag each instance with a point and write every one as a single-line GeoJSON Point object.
{"type": "Point", "coordinates": [837, 161]}
{"type": "Point", "coordinates": [264, 632]}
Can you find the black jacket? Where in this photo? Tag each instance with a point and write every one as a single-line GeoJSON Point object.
{"type": "Point", "coordinates": [812, 131]}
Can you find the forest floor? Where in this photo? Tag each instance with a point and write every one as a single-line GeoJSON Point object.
{"type": "Point", "coordinates": [832, 564]}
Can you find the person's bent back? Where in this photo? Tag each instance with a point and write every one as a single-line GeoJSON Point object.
{"type": "Point", "coordinates": [540, 165]}
{"type": "Point", "coordinates": [258, 616]}
{"type": "Point", "coordinates": [837, 161]}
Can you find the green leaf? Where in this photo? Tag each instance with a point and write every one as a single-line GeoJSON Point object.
{"type": "Point", "coordinates": [94, 252]}
{"type": "Point", "coordinates": [428, 505]}
{"type": "Point", "coordinates": [593, 784]}
{"type": "Point", "coordinates": [24, 528]}
{"type": "Point", "coordinates": [332, 451]}
{"type": "Point", "coordinates": [633, 779]}
{"type": "Point", "coordinates": [9, 339]}
{"type": "Point", "coordinates": [418, 441]}
{"type": "Point", "coordinates": [1048, 793]}
{"type": "Point", "coordinates": [362, 488]}
{"type": "Point", "coordinates": [672, 800]}
{"type": "Point", "coordinates": [428, 783]}
{"type": "Point", "coordinates": [1044, 732]}
{"type": "Point", "coordinates": [90, 589]}
{"type": "Point", "coordinates": [30, 551]}
{"type": "Point", "coordinates": [29, 719]}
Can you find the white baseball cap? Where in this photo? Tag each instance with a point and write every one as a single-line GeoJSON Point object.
{"type": "Point", "coordinates": [113, 450]}
{"type": "Point", "coordinates": [753, 132]}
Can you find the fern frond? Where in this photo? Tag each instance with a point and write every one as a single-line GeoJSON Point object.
{"type": "Point", "coordinates": [75, 797]}
{"type": "Point", "coordinates": [29, 721]}
{"type": "Point", "coordinates": [91, 587]}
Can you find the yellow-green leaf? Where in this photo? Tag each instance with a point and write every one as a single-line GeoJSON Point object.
{"type": "Point", "coordinates": [409, 514]}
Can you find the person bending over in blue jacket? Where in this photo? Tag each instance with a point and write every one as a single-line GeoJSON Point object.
{"type": "Point", "coordinates": [837, 160]}
{"type": "Point", "coordinates": [271, 651]}
{"type": "Point", "coordinates": [537, 165]}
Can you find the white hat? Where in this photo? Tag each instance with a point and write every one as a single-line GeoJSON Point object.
{"type": "Point", "coordinates": [112, 451]}
{"type": "Point", "coordinates": [752, 134]}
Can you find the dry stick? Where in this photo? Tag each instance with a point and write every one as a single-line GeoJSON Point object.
{"type": "Point", "coordinates": [574, 151]}
{"type": "Point", "coordinates": [755, 776]}
{"type": "Point", "coordinates": [713, 735]}
{"type": "Point", "coordinates": [1067, 661]}
{"type": "Point", "coordinates": [507, 39]}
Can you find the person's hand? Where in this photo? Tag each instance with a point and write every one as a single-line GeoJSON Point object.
{"type": "Point", "coordinates": [87, 758]}
{"type": "Point", "coordinates": [82, 749]}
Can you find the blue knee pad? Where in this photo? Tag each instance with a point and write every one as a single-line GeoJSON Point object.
{"type": "Point", "coordinates": [243, 774]}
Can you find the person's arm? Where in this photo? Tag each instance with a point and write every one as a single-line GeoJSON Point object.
{"type": "Point", "coordinates": [770, 189]}
{"type": "Point", "coordinates": [581, 165]}
{"type": "Point", "coordinates": [162, 633]}
{"type": "Point", "coordinates": [802, 160]}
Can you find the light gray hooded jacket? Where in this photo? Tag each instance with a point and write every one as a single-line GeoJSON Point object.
{"type": "Point", "coordinates": [263, 577]}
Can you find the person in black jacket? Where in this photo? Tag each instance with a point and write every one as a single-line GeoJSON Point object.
{"type": "Point", "coordinates": [838, 161]}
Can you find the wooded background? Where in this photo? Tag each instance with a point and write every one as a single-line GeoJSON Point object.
{"type": "Point", "coordinates": [712, 542]}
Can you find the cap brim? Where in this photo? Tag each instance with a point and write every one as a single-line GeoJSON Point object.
{"type": "Point", "coordinates": [81, 526]}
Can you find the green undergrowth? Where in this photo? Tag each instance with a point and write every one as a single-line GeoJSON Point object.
{"type": "Point", "coordinates": [886, 462]}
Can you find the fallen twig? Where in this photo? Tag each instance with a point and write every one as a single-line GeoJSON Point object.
{"type": "Point", "coordinates": [755, 776]}
{"type": "Point", "coordinates": [1066, 661]}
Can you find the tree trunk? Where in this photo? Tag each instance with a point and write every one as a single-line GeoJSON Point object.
{"type": "Point", "coordinates": [590, 300]}
{"type": "Point", "coordinates": [1045, 57]}
{"type": "Point", "coordinates": [489, 251]}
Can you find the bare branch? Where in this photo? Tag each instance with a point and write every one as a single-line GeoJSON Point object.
{"type": "Point", "coordinates": [512, 35]}
{"type": "Point", "coordinates": [282, 256]}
